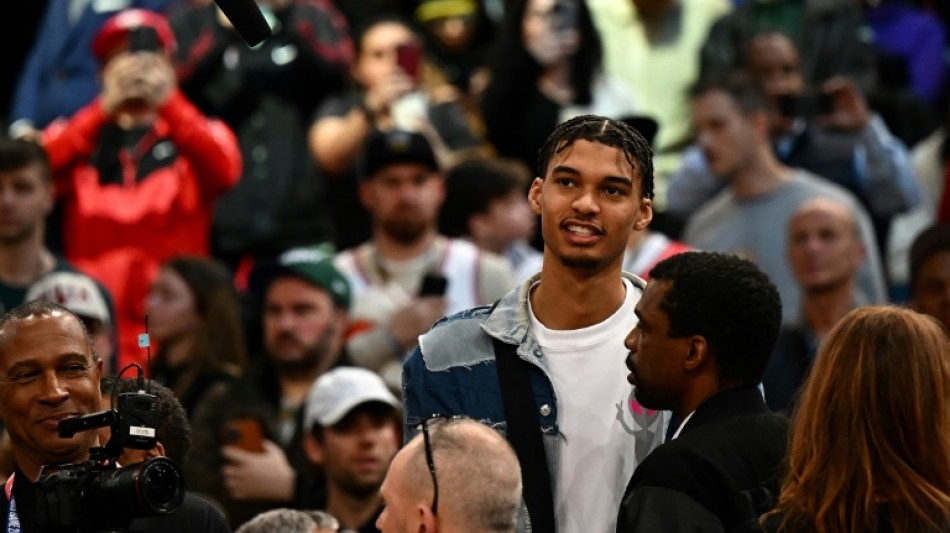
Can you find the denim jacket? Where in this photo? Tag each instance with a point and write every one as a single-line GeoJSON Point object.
{"type": "Point", "coordinates": [452, 372]}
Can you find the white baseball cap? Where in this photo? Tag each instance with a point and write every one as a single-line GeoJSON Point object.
{"type": "Point", "coordinates": [74, 291]}
{"type": "Point", "coordinates": [339, 391]}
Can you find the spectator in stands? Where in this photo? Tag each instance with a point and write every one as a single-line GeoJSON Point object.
{"type": "Point", "coordinates": [61, 72]}
{"type": "Point", "coordinates": [546, 69]}
{"type": "Point", "coordinates": [403, 190]}
{"type": "Point", "coordinates": [931, 162]}
{"type": "Point", "coordinates": [486, 201]}
{"type": "Point", "coordinates": [748, 217]}
{"type": "Point", "coordinates": [841, 140]}
{"type": "Point", "coordinates": [87, 300]}
{"type": "Point", "coordinates": [458, 35]}
{"type": "Point", "coordinates": [138, 169]}
{"type": "Point", "coordinates": [352, 429]}
{"type": "Point", "coordinates": [825, 253]}
{"type": "Point", "coordinates": [867, 451]}
{"type": "Point", "coordinates": [267, 95]}
{"type": "Point", "coordinates": [829, 34]}
{"type": "Point", "coordinates": [930, 273]}
{"type": "Point", "coordinates": [26, 198]}
{"type": "Point", "coordinates": [458, 475]}
{"type": "Point", "coordinates": [391, 91]}
{"type": "Point", "coordinates": [305, 302]}
{"type": "Point", "coordinates": [653, 46]}
{"type": "Point", "coordinates": [195, 317]}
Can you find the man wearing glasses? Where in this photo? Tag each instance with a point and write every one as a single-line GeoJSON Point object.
{"type": "Point", "coordinates": [457, 476]}
{"type": "Point", "coordinates": [563, 331]}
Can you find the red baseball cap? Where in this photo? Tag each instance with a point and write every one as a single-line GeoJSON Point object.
{"type": "Point", "coordinates": [114, 32]}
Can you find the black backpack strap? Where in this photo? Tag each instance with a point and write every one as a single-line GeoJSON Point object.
{"type": "Point", "coordinates": [524, 434]}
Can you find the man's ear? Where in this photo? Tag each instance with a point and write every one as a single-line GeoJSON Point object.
{"type": "Point", "coordinates": [426, 519]}
{"type": "Point", "coordinates": [312, 449]}
{"type": "Point", "coordinates": [534, 195]}
{"type": "Point", "coordinates": [157, 451]}
{"type": "Point", "coordinates": [645, 216]}
{"type": "Point", "coordinates": [698, 353]}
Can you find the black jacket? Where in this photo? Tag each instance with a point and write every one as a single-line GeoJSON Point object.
{"type": "Point", "coordinates": [711, 478]}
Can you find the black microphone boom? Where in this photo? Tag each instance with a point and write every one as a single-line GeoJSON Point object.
{"type": "Point", "coordinates": [247, 19]}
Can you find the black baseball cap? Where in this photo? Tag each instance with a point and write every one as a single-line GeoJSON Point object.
{"type": "Point", "coordinates": [385, 148]}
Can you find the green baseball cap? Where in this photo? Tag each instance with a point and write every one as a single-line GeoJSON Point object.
{"type": "Point", "coordinates": [313, 264]}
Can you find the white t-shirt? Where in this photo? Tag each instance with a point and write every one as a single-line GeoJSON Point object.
{"type": "Point", "coordinates": [597, 451]}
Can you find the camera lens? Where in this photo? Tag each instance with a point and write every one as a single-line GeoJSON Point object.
{"type": "Point", "coordinates": [145, 489]}
{"type": "Point", "coordinates": [160, 484]}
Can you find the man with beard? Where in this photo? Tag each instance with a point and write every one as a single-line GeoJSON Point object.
{"type": "Point", "coordinates": [558, 337]}
{"type": "Point", "coordinates": [248, 452]}
{"type": "Point", "coordinates": [706, 326]}
{"type": "Point", "coordinates": [352, 425]}
{"type": "Point", "coordinates": [403, 190]}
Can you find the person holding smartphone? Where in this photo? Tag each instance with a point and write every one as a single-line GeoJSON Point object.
{"type": "Point", "coordinates": [390, 91]}
{"type": "Point", "coordinates": [138, 170]}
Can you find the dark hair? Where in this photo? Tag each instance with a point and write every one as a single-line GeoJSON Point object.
{"type": "Point", "coordinates": [730, 302]}
{"type": "Point", "coordinates": [928, 243]}
{"type": "Point", "coordinates": [379, 411]}
{"type": "Point", "coordinates": [471, 186]}
{"type": "Point", "coordinates": [378, 20]}
{"type": "Point", "coordinates": [16, 154]}
{"type": "Point", "coordinates": [584, 63]}
{"type": "Point", "coordinates": [748, 96]}
{"type": "Point", "coordinates": [174, 432]}
{"type": "Point", "coordinates": [41, 307]}
{"type": "Point", "coordinates": [219, 343]}
{"type": "Point", "coordinates": [606, 131]}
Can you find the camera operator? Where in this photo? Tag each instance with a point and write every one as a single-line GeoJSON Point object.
{"type": "Point", "coordinates": [173, 436]}
{"type": "Point", "coordinates": [49, 372]}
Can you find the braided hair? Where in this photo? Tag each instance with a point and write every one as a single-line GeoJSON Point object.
{"type": "Point", "coordinates": [606, 131]}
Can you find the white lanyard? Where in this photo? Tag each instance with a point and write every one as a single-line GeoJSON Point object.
{"type": "Point", "coordinates": [13, 520]}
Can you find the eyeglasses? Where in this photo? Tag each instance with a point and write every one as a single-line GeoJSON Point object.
{"type": "Point", "coordinates": [428, 446]}
{"type": "Point", "coordinates": [427, 440]}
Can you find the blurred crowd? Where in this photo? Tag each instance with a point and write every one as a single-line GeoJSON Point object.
{"type": "Point", "coordinates": [285, 212]}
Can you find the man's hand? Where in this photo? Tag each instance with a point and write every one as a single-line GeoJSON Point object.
{"type": "Point", "coordinates": [258, 476]}
{"type": "Point", "coordinates": [850, 109]}
{"type": "Point", "coordinates": [131, 81]}
{"type": "Point", "coordinates": [416, 318]}
{"type": "Point", "coordinates": [379, 98]}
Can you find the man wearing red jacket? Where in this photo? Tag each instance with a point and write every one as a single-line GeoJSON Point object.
{"type": "Point", "coordinates": [137, 170]}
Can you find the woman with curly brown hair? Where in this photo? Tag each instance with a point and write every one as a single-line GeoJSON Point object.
{"type": "Point", "coordinates": [870, 444]}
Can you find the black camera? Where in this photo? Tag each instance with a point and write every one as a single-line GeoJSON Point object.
{"type": "Point", "coordinates": [97, 495]}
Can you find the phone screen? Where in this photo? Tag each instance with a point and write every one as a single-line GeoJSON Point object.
{"type": "Point", "coordinates": [433, 284]}
{"type": "Point", "coordinates": [144, 39]}
{"type": "Point", "coordinates": [409, 56]}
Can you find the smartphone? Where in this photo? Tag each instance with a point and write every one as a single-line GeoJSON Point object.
{"type": "Point", "coordinates": [805, 105]}
{"type": "Point", "coordinates": [409, 57]}
{"type": "Point", "coordinates": [245, 433]}
{"type": "Point", "coordinates": [144, 39]}
{"type": "Point", "coordinates": [433, 284]}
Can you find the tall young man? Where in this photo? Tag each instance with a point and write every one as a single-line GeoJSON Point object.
{"type": "Point", "coordinates": [566, 325]}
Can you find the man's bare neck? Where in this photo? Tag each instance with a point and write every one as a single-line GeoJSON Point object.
{"type": "Point", "coordinates": [23, 263]}
{"type": "Point", "coordinates": [568, 298]}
